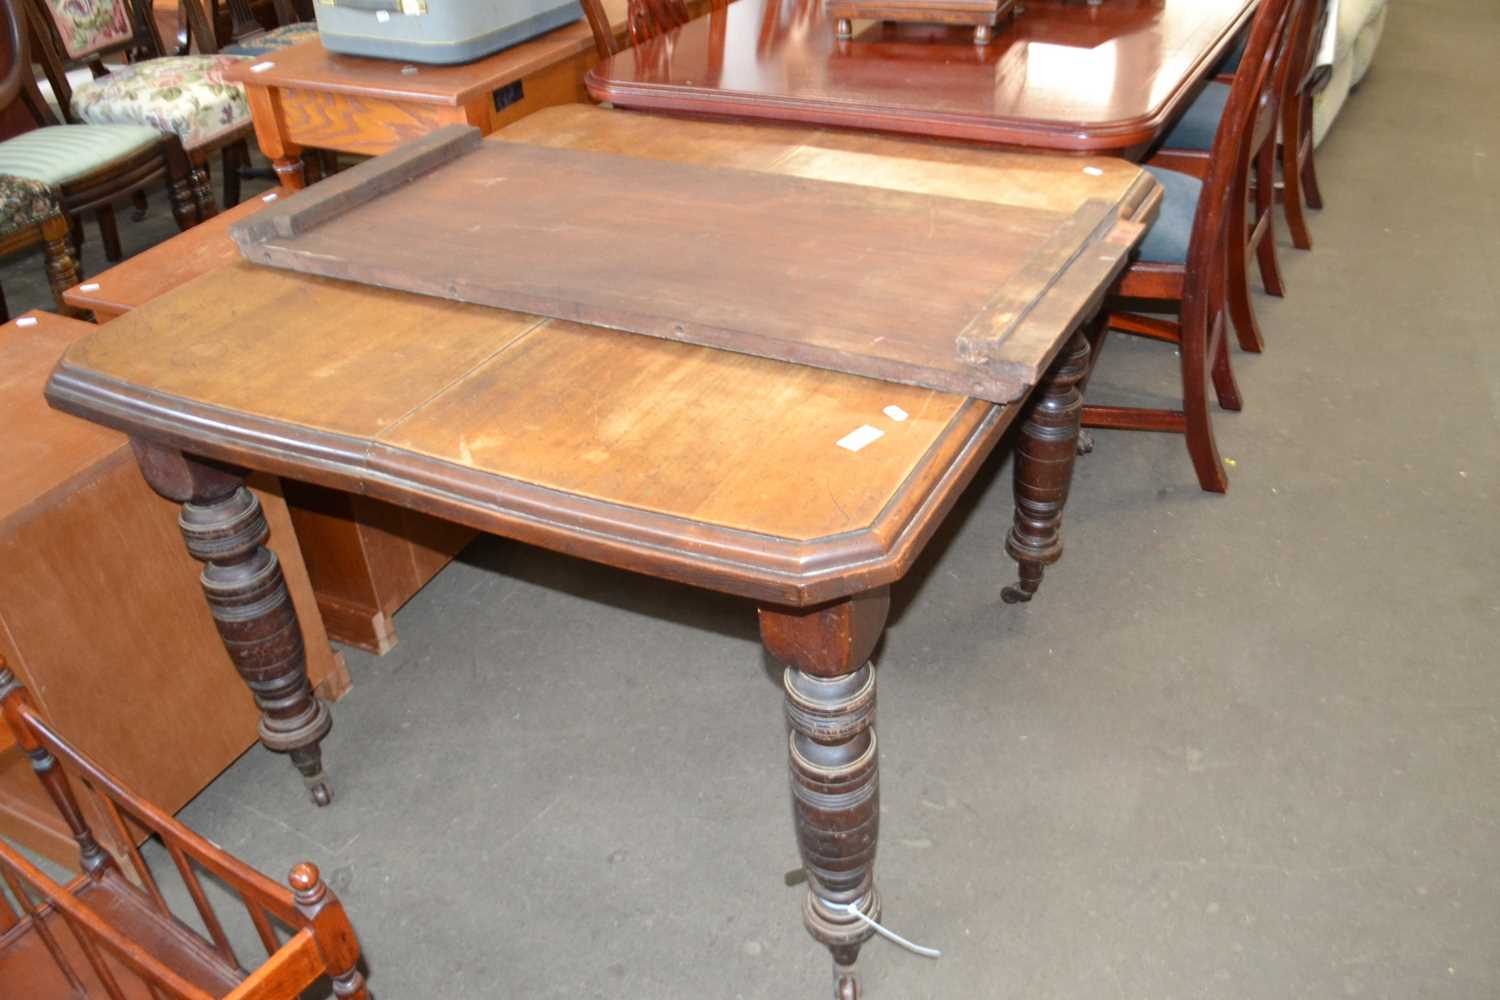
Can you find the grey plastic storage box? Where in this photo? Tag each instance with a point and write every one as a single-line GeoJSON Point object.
{"type": "Point", "coordinates": [436, 31]}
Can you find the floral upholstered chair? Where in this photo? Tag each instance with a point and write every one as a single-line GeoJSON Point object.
{"type": "Point", "coordinates": [184, 96]}
{"type": "Point", "coordinates": [78, 169]}
{"type": "Point", "coordinates": [30, 214]}
{"type": "Point", "coordinates": [239, 32]}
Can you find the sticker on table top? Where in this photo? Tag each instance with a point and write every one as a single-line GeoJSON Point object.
{"type": "Point", "coordinates": [895, 413]}
{"type": "Point", "coordinates": [382, 16]}
{"type": "Point", "coordinates": [92, 286]}
{"type": "Point", "coordinates": [859, 437]}
{"type": "Point", "coordinates": [31, 321]}
{"type": "Point", "coordinates": [268, 197]}
{"type": "Point", "coordinates": [261, 67]}
{"type": "Point", "coordinates": [1093, 171]}
{"type": "Point", "coordinates": [408, 71]}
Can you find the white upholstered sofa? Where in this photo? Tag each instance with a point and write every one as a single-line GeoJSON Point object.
{"type": "Point", "coordinates": [1357, 27]}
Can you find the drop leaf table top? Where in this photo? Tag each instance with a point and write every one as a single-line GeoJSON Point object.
{"type": "Point", "coordinates": [706, 466]}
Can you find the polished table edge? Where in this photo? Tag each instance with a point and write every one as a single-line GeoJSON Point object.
{"type": "Point", "coordinates": [783, 571]}
{"type": "Point", "coordinates": [1119, 137]}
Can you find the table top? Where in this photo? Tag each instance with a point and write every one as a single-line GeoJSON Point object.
{"type": "Point", "coordinates": [1061, 75]}
{"type": "Point", "coordinates": [153, 272]}
{"type": "Point", "coordinates": [309, 66]}
{"type": "Point", "coordinates": [704, 466]}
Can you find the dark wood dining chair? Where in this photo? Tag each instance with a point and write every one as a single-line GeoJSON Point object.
{"type": "Point", "coordinates": [1298, 152]}
{"type": "Point", "coordinates": [30, 215]}
{"type": "Point", "coordinates": [644, 20]}
{"type": "Point", "coordinates": [1186, 149]}
{"type": "Point", "coordinates": [1187, 254]}
{"type": "Point", "coordinates": [88, 168]}
{"type": "Point", "coordinates": [242, 34]}
{"type": "Point", "coordinates": [184, 96]}
{"type": "Point", "coordinates": [1298, 157]}
{"type": "Point", "coordinates": [113, 932]}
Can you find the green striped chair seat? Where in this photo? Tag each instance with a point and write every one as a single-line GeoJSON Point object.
{"type": "Point", "coordinates": [58, 154]}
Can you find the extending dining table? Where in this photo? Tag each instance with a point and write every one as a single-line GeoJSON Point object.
{"type": "Point", "coordinates": [807, 491]}
{"type": "Point", "coordinates": [1059, 75]}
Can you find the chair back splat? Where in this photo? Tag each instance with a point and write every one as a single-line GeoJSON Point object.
{"type": "Point", "coordinates": [644, 20]}
{"type": "Point", "coordinates": [112, 932]}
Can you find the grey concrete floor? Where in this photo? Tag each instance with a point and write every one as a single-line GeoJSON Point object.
{"type": "Point", "coordinates": [1241, 746]}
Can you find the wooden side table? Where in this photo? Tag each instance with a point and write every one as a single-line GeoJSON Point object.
{"type": "Point", "coordinates": [96, 606]}
{"type": "Point", "coordinates": [307, 97]}
{"type": "Point", "coordinates": [365, 558]}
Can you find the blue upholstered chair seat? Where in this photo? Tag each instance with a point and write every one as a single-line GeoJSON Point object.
{"type": "Point", "coordinates": [1231, 63]}
{"type": "Point", "coordinates": [273, 41]}
{"type": "Point", "coordinates": [1198, 124]}
{"type": "Point", "coordinates": [1167, 240]}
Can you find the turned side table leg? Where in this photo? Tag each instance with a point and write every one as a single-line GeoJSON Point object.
{"type": "Point", "coordinates": [224, 528]}
{"type": "Point", "coordinates": [835, 780]}
{"type": "Point", "coordinates": [1044, 469]}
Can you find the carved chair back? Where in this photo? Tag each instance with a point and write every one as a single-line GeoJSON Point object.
{"type": "Point", "coordinates": [227, 22]}
{"type": "Point", "coordinates": [112, 932]}
{"type": "Point", "coordinates": [1249, 115]}
{"type": "Point", "coordinates": [84, 32]}
{"type": "Point", "coordinates": [19, 74]}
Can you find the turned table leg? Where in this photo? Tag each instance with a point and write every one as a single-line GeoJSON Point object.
{"type": "Point", "coordinates": [1044, 468]}
{"type": "Point", "coordinates": [830, 708]}
{"type": "Point", "coordinates": [224, 528]}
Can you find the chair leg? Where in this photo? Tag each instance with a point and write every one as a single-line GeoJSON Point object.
{"type": "Point", "coordinates": [139, 206]}
{"type": "Point", "coordinates": [1199, 429]}
{"type": "Point", "coordinates": [62, 266]}
{"type": "Point", "coordinates": [1291, 175]}
{"type": "Point", "coordinates": [1265, 213]}
{"type": "Point", "coordinates": [4, 308]}
{"type": "Point", "coordinates": [1246, 329]}
{"type": "Point", "coordinates": [109, 233]}
{"type": "Point", "coordinates": [233, 160]}
{"type": "Point", "coordinates": [1309, 159]}
{"type": "Point", "coordinates": [203, 190]}
{"type": "Point", "coordinates": [75, 236]}
{"type": "Point", "coordinates": [1225, 386]}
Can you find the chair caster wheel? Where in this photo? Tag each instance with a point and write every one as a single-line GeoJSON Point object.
{"type": "Point", "coordinates": [846, 987]}
{"type": "Point", "coordinates": [321, 793]}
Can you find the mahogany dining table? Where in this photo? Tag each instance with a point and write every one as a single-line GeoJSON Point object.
{"type": "Point", "coordinates": [1059, 75]}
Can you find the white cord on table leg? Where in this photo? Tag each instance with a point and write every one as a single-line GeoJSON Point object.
{"type": "Point", "coordinates": [853, 910]}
